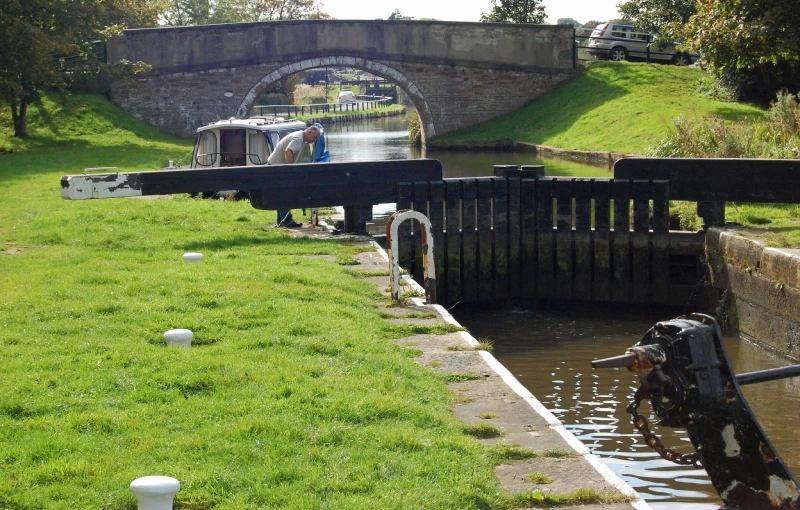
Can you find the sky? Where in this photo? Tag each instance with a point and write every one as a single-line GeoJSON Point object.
{"type": "Point", "coordinates": [466, 10]}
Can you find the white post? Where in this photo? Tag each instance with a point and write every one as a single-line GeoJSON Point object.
{"type": "Point", "coordinates": [155, 492]}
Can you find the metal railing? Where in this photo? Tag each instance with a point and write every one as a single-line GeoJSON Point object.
{"type": "Point", "coordinates": [294, 110]}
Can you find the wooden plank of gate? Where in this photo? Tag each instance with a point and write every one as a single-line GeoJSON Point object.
{"type": "Point", "coordinates": [436, 215]}
{"type": "Point", "coordinates": [660, 238]}
{"type": "Point", "coordinates": [583, 239]}
{"type": "Point", "coordinates": [640, 241]}
{"type": "Point", "coordinates": [501, 238]}
{"type": "Point", "coordinates": [528, 254]}
{"type": "Point", "coordinates": [565, 278]}
{"type": "Point", "coordinates": [514, 237]}
{"type": "Point", "coordinates": [621, 251]}
{"type": "Point", "coordinates": [602, 240]}
{"type": "Point", "coordinates": [469, 242]}
{"type": "Point", "coordinates": [545, 244]}
{"type": "Point", "coordinates": [421, 206]}
{"type": "Point", "coordinates": [452, 192]}
{"type": "Point", "coordinates": [405, 245]}
{"type": "Point", "coordinates": [485, 240]}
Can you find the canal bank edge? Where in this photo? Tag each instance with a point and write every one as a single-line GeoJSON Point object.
{"type": "Point", "coordinates": [497, 393]}
{"type": "Point", "coordinates": [524, 424]}
{"type": "Point", "coordinates": [353, 117]}
{"type": "Point", "coordinates": [756, 288]}
{"type": "Point", "coordinates": [606, 158]}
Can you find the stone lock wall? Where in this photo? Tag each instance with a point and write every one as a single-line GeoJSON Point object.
{"type": "Point", "coordinates": [456, 74]}
{"type": "Point", "coordinates": [758, 290]}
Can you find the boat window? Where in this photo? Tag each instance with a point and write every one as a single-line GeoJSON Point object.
{"type": "Point", "coordinates": [232, 147]}
{"type": "Point", "coordinates": [207, 149]}
{"type": "Point", "coordinates": [273, 138]}
{"type": "Point", "coordinates": [258, 148]}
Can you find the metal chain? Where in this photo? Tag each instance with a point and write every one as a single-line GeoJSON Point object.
{"type": "Point", "coordinates": [640, 422]}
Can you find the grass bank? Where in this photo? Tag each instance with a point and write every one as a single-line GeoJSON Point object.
{"type": "Point", "coordinates": [635, 108]}
{"type": "Point", "coordinates": [333, 117]}
{"type": "Point", "coordinates": [611, 106]}
{"type": "Point", "coordinates": [292, 395]}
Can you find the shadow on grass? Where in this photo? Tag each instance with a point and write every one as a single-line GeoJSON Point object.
{"type": "Point", "coordinates": [240, 241]}
{"type": "Point", "coordinates": [73, 156]}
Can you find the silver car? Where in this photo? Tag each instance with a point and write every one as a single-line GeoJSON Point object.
{"type": "Point", "coordinates": [617, 41]}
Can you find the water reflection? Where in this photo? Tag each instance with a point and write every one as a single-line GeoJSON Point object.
{"type": "Point", "coordinates": [387, 138]}
{"type": "Point", "coordinates": [550, 352]}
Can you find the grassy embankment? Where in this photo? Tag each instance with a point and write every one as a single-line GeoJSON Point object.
{"type": "Point", "coordinates": [630, 108]}
{"type": "Point", "coordinates": [387, 111]}
{"type": "Point", "coordinates": [292, 395]}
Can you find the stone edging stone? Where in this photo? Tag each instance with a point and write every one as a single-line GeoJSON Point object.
{"type": "Point", "coordinates": [758, 288]}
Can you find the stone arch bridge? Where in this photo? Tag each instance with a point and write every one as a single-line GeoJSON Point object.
{"type": "Point", "coordinates": [456, 74]}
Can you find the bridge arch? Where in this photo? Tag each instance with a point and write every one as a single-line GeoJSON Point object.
{"type": "Point", "coordinates": [377, 68]}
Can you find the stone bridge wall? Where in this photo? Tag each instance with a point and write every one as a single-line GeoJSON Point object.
{"type": "Point", "coordinates": [456, 74]}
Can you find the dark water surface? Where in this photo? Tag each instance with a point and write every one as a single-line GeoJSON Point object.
{"type": "Point", "coordinates": [550, 353]}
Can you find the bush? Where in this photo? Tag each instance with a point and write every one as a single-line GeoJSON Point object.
{"type": "Point", "coordinates": [784, 114]}
{"type": "Point", "coordinates": [414, 128]}
{"type": "Point", "coordinates": [308, 94]}
{"type": "Point", "coordinates": [274, 99]}
{"type": "Point", "coordinates": [778, 137]}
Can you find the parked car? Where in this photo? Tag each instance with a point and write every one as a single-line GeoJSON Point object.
{"type": "Point", "coordinates": [346, 96]}
{"type": "Point", "coordinates": [618, 41]}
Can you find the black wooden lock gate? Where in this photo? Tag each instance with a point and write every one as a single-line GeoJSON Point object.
{"type": "Point", "coordinates": [522, 236]}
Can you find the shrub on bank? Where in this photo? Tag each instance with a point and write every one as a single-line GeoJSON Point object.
{"type": "Point", "coordinates": [274, 99]}
{"type": "Point", "coordinates": [777, 137]}
{"type": "Point", "coordinates": [307, 94]}
{"type": "Point", "coordinates": [414, 128]}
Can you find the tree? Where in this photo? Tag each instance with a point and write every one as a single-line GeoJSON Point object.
{"type": "Point", "coordinates": [201, 12]}
{"type": "Point", "coordinates": [658, 16]}
{"type": "Point", "coordinates": [568, 21]}
{"type": "Point", "coordinates": [753, 45]}
{"type": "Point", "coordinates": [515, 11]}
{"type": "Point", "coordinates": [398, 15]}
{"type": "Point", "coordinates": [49, 44]}
{"type": "Point", "coordinates": [187, 12]}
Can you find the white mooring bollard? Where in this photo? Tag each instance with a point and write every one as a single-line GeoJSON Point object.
{"type": "Point", "coordinates": [155, 492]}
{"type": "Point", "coordinates": [192, 257]}
{"type": "Point", "coordinates": [179, 337]}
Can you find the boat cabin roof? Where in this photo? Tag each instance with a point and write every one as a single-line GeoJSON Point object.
{"type": "Point", "coordinates": [261, 123]}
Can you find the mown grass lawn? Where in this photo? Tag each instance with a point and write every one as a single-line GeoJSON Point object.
{"type": "Point", "coordinates": [292, 395]}
{"type": "Point", "coordinates": [610, 106]}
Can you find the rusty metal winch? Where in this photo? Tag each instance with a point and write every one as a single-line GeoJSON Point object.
{"type": "Point", "coordinates": [685, 374]}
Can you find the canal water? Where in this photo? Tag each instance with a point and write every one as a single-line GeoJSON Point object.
{"type": "Point", "coordinates": [550, 351]}
{"type": "Point", "coordinates": [387, 138]}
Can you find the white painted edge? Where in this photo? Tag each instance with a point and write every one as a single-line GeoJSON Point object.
{"type": "Point", "coordinates": [581, 449]}
{"type": "Point", "coordinates": [84, 187]}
